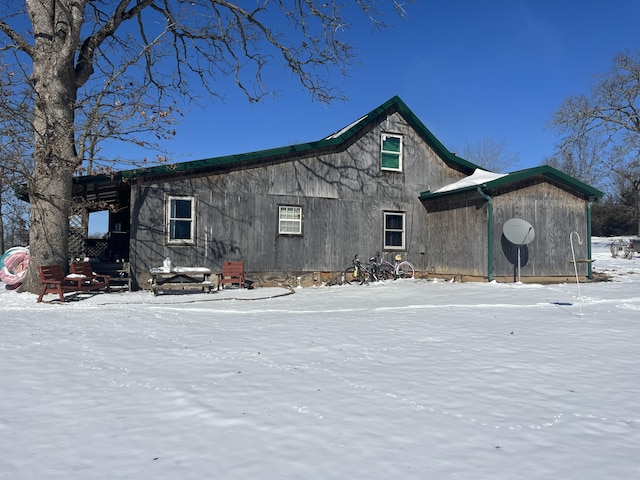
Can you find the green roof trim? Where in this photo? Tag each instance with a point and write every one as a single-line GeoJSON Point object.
{"type": "Point", "coordinates": [543, 170]}
{"type": "Point", "coordinates": [331, 142]}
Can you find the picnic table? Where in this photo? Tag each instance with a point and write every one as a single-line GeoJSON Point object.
{"type": "Point", "coordinates": [181, 278]}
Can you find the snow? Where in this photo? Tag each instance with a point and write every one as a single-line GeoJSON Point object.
{"type": "Point", "coordinates": [181, 270]}
{"type": "Point", "coordinates": [411, 379]}
{"type": "Point", "coordinates": [478, 177]}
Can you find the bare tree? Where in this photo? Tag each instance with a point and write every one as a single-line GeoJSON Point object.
{"type": "Point", "coordinates": [490, 154]}
{"type": "Point", "coordinates": [83, 59]}
{"type": "Point", "coordinates": [602, 130]}
{"type": "Point", "coordinates": [581, 159]}
{"type": "Point", "coordinates": [2, 187]}
{"type": "Point", "coordinates": [13, 213]}
{"type": "Point", "coordinates": [14, 224]}
{"type": "Point", "coordinates": [15, 138]}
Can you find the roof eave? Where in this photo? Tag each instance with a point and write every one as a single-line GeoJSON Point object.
{"type": "Point", "coordinates": [585, 190]}
{"type": "Point", "coordinates": [433, 195]}
{"type": "Point", "coordinates": [331, 142]}
{"type": "Point", "coordinates": [545, 170]}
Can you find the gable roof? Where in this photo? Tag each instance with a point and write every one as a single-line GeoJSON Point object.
{"type": "Point", "coordinates": [545, 170]}
{"type": "Point", "coordinates": [334, 142]}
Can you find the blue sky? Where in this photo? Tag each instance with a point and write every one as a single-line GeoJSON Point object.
{"type": "Point", "coordinates": [468, 69]}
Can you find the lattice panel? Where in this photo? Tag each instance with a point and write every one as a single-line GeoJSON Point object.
{"type": "Point", "coordinates": [96, 248]}
{"type": "Point", "coordinates": [78, 227]}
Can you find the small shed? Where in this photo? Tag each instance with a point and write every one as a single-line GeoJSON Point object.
{"type": "Point", "coordinates": [466, 220]}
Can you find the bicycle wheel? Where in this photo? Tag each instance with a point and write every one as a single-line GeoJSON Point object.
{"type": "Point", "coordinates": [386, 270]}
{"type": "Point", "coordinates": [405, 270]}
{"type": "Point", "coordinates": [350, 275]}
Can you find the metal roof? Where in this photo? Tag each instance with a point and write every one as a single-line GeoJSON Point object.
{"type": "Point", "coordinates": [519, 176]}
{"type": "Point", "coordinates": [334, 142]}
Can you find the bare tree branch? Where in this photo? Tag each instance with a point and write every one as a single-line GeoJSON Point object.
{"type": "Point", "coordinates": [87, 71]}
{"type": "Point", "coordinates": [18, 41]}
{"type": "Point", "coordinates": [600, 132]}
{"type": "Point", "coordinates": [491, 155]}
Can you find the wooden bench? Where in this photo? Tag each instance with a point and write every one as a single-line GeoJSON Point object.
{"type": "Point", "coordinates": [53, 280]}
{"type": "Point", "coordinates": [91, 279]}
{"type": "Point", "coordinates": [232, 275]}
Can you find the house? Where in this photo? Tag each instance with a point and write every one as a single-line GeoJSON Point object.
{"type": "Point", "coordinates": [300, 213]}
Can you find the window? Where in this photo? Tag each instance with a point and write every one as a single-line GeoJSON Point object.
{"type": "Point", "coordinates": [290, 220]}
{"type": "Point", "coordinates": [181, 220]}
{"type": "Point", "coordinates": [393, 231]}
{"type": "Point", "coordinates": [391, 152]}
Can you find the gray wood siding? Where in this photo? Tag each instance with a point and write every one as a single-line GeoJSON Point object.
{"type": "Point", "coordinates": [554, 213]}
{"type": "Point", "coordinates": [457, 242]}
{"type": "Point", "coordinates": [342, 195]}
{"type": "Point", "coordinates": [457, 235]}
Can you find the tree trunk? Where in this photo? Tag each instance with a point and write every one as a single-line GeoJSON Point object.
{"type": "Point", "coordinates": [56, 24]}
{"type": "Point", "coordinates": [636, 186]}
{"type": "Point", "coordinates": [2, 249]}
{"type": "Point", "coordinates": [49, 230]}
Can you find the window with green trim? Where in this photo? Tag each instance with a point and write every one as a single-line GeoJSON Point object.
{"type": "Point", "coordinates": [391, 149]}
{"type": "Point", "coordinates": [181, 220]}
{"type": "Point", "coordinates": [394, 231]}
{"type": "Point", "coordinates": [290, 220]}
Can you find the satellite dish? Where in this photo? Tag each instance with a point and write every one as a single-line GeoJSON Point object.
{"type": "Point", "coordinates": [518, 231]}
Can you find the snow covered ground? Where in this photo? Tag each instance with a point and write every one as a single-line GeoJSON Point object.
{"type": "Point", "coordinates": [397, 380]}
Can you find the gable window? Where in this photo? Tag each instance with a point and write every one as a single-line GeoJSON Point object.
{"type": "Point", "coordinates": [394, 231]}
{"type": "Point", "coordinates": [289, 220]}
{"type": "Point", "coordinates": [391, 152]}
{"type": "Point", "coordinates": [181, 220]}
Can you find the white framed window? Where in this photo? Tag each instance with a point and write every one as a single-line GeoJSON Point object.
{"type": "Point", "coordinates": [394, 231]}
{"type": "Point", "coordinates": [391, 152]}
{"type": "Point", "coordinates": [181, 220]}
{"type": "Point", "coordinates": [289, 220]}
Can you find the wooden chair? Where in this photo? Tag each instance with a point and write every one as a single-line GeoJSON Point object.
{"type": "Point", "coordinates": [91, 279]}
{"type": "Point", "coordinates": [53, 280]}
{"type": "Point", "coordinates": [232, 275]}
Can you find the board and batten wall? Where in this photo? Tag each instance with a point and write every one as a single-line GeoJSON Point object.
{"type": "Point", "coordinates": [458, 229]}
{"type": "Point", "coordinates": [457, 235]}
{"type": "Point", "coordinates": [553, 212]}
{"type": "Point", "coordinates": [343, 195]}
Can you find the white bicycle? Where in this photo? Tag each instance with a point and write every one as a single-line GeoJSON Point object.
{"type": "Point", "coordinates": [400, 268]}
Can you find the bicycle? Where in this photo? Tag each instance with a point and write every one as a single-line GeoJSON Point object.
{"type": "Point", "coordinates": [378, 269]}
{"type": "Point", "coordinates": [381, 270]}
{"type": "Point", "coordinates": [400, 268]}
{"type": "Point", "coordinates": [355, 273]}
{"type": "Point", "coordinates": [365, 272]}
{"type": "Point", "coordinates": [386, 270]}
